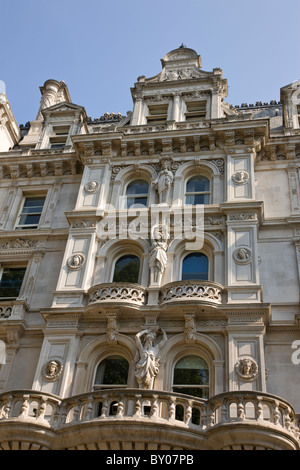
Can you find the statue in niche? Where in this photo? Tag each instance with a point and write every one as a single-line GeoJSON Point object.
{"type": "Point", "coordinates": [147, 362]}
{"type": "Point", "coordinates": [158, 255]}
{"type": "Point", "coordinates": [164, 181]}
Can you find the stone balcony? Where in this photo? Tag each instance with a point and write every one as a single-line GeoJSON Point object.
{"type": "Point", "coordinates": [178, 291]}
{"type": "Point", "coordinates": [119, 293]}
{"type": "Point", "coordinates": [146, 420]}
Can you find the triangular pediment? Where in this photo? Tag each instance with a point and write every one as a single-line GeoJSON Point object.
{"type": "Point", "coordinates": [64, 107]}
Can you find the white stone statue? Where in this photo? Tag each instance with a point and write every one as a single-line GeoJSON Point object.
{"type": "Point", "coordinates": [158, 255]}
{"type": "Point", "coordinates": [147, 365]}
{"type": "Point", "coordinates": [164, 181]}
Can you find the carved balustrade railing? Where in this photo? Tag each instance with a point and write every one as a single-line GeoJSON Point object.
{"type": "Point", "coordinates": [33, 406]}
{"type": "Point", "coordinates": [117, 292]}
{"type": "Point", "coordinates": [192, 290]}
{"type": "Point", "coordinates": [168, 408]}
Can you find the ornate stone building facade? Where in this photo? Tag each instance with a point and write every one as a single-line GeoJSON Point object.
{"type": "Point", "coordinates": [143, 301]}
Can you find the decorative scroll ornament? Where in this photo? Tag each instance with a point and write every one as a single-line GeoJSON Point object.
{"type": "Point", "coordinates": [240, 177]}
{"type": "Point", "coordinates": [52, 370]}
{"type": "Point", "coordinates": [246, 368]}
{"type": "Point", "coordinates": [76, 261]}
{"type": "Point", "coordinates": [242, 255]}
{"type": "Point", "coordinates": [92, 186]}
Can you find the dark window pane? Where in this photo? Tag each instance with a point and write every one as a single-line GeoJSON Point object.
{"type": "Point", "coordinates": [196, 392]}
{"type": "Point", "coordinates": [195, 267]}
{"type": "Point", "coordinates": [127, 269]}
{"type": "Point", "coordinates": [191, 370]}
{"type": "Point", "coordinates": [195, 199]}
{"type": "Point", "coordinates": [191, 377]}
{"type": "Point", "coordinates": [11, 282]}
{"type": "Point", "coordinates": [29, 219]}
{"type": "Point", "coordinates": [137, 187]}
{"type": "Point", "coordinates": [136, 202]}
{"type": "Point", "coordinates": [197, 184]}
{"type": "Point", "coordinates": [33, 204]}
{"type": "Point", "coordinates": [112, 371]}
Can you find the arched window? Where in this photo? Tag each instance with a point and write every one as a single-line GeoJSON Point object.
{"type": "Point", "coordinates": [137, 194]}
{"type": "Point", "coordinates": [127, 269]}
{"type": "Point", "coordinates": [195, 267]}
{"type": "Point", "coordinates": [191, 376]}
{"type": "Point", "coordinates": [111, 372]}
{"type": "Point", "coordinates": [197, 190]}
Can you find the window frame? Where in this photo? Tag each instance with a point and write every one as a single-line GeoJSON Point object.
{"type": "Point", "coordinates": [142, 195]}
{"type": "Point", "coordinates": [117, 258]}
{"type": "Point", "coordinates": [19, 226]}
{"type": "Point", "coordinates": [12, 266]}
{"type": "Point", "coordinates": [195, 253]}
{"type": "Point", "coordinates": [108, 386]}
{"type": "Point", "coordinates": [195, 110]}
{"type": "Point", "coordinates": [192, 386]}
{"type": "Point", "coordinates": [58, 139]}
{"type": "Point", "coordinates": [157, 114]}
{"type": "Point", "coordinates": [197, 193]}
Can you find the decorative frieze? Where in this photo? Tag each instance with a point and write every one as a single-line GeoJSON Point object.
{"type": "Point", "coordinates": [18, 244]}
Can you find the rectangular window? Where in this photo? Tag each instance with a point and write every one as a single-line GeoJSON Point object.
{"type": "Point", "coordinates": [157, 114]}
{"type": "Point", "coordinates": [195, 110]}
{"type": "Point", "coordinates": [31, 212]}
{"type": "Point", "coordinates": [11, 282]}
{"type": "Point", "coordinates": [59, 137]}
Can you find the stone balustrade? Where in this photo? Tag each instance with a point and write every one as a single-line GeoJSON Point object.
{"type": "Point", "coordinates": [160, 407]}
{"type": "Point", "coordinates": [117, 292]}
{"type": "Point", "coordinates": [178, 291]}
{"type": "Point", "coordinates": [192, 290]}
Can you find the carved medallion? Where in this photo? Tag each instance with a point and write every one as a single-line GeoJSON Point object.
{"type": "Point", "coordinates": [240, 177]}
{"type": "Point", "coordinates": [76, 261]}
{"type": "Point", "coordinates": [242, 255]}
{"type": "Point", "coordinates": [92, 186]}
{"type": "Point", "coordinates": [52, 370]}
{"type": "Point", "coordinates": [246, 368]}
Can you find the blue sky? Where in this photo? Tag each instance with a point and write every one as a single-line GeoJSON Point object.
{"type": "Point", "coordinates": [100, 47]}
